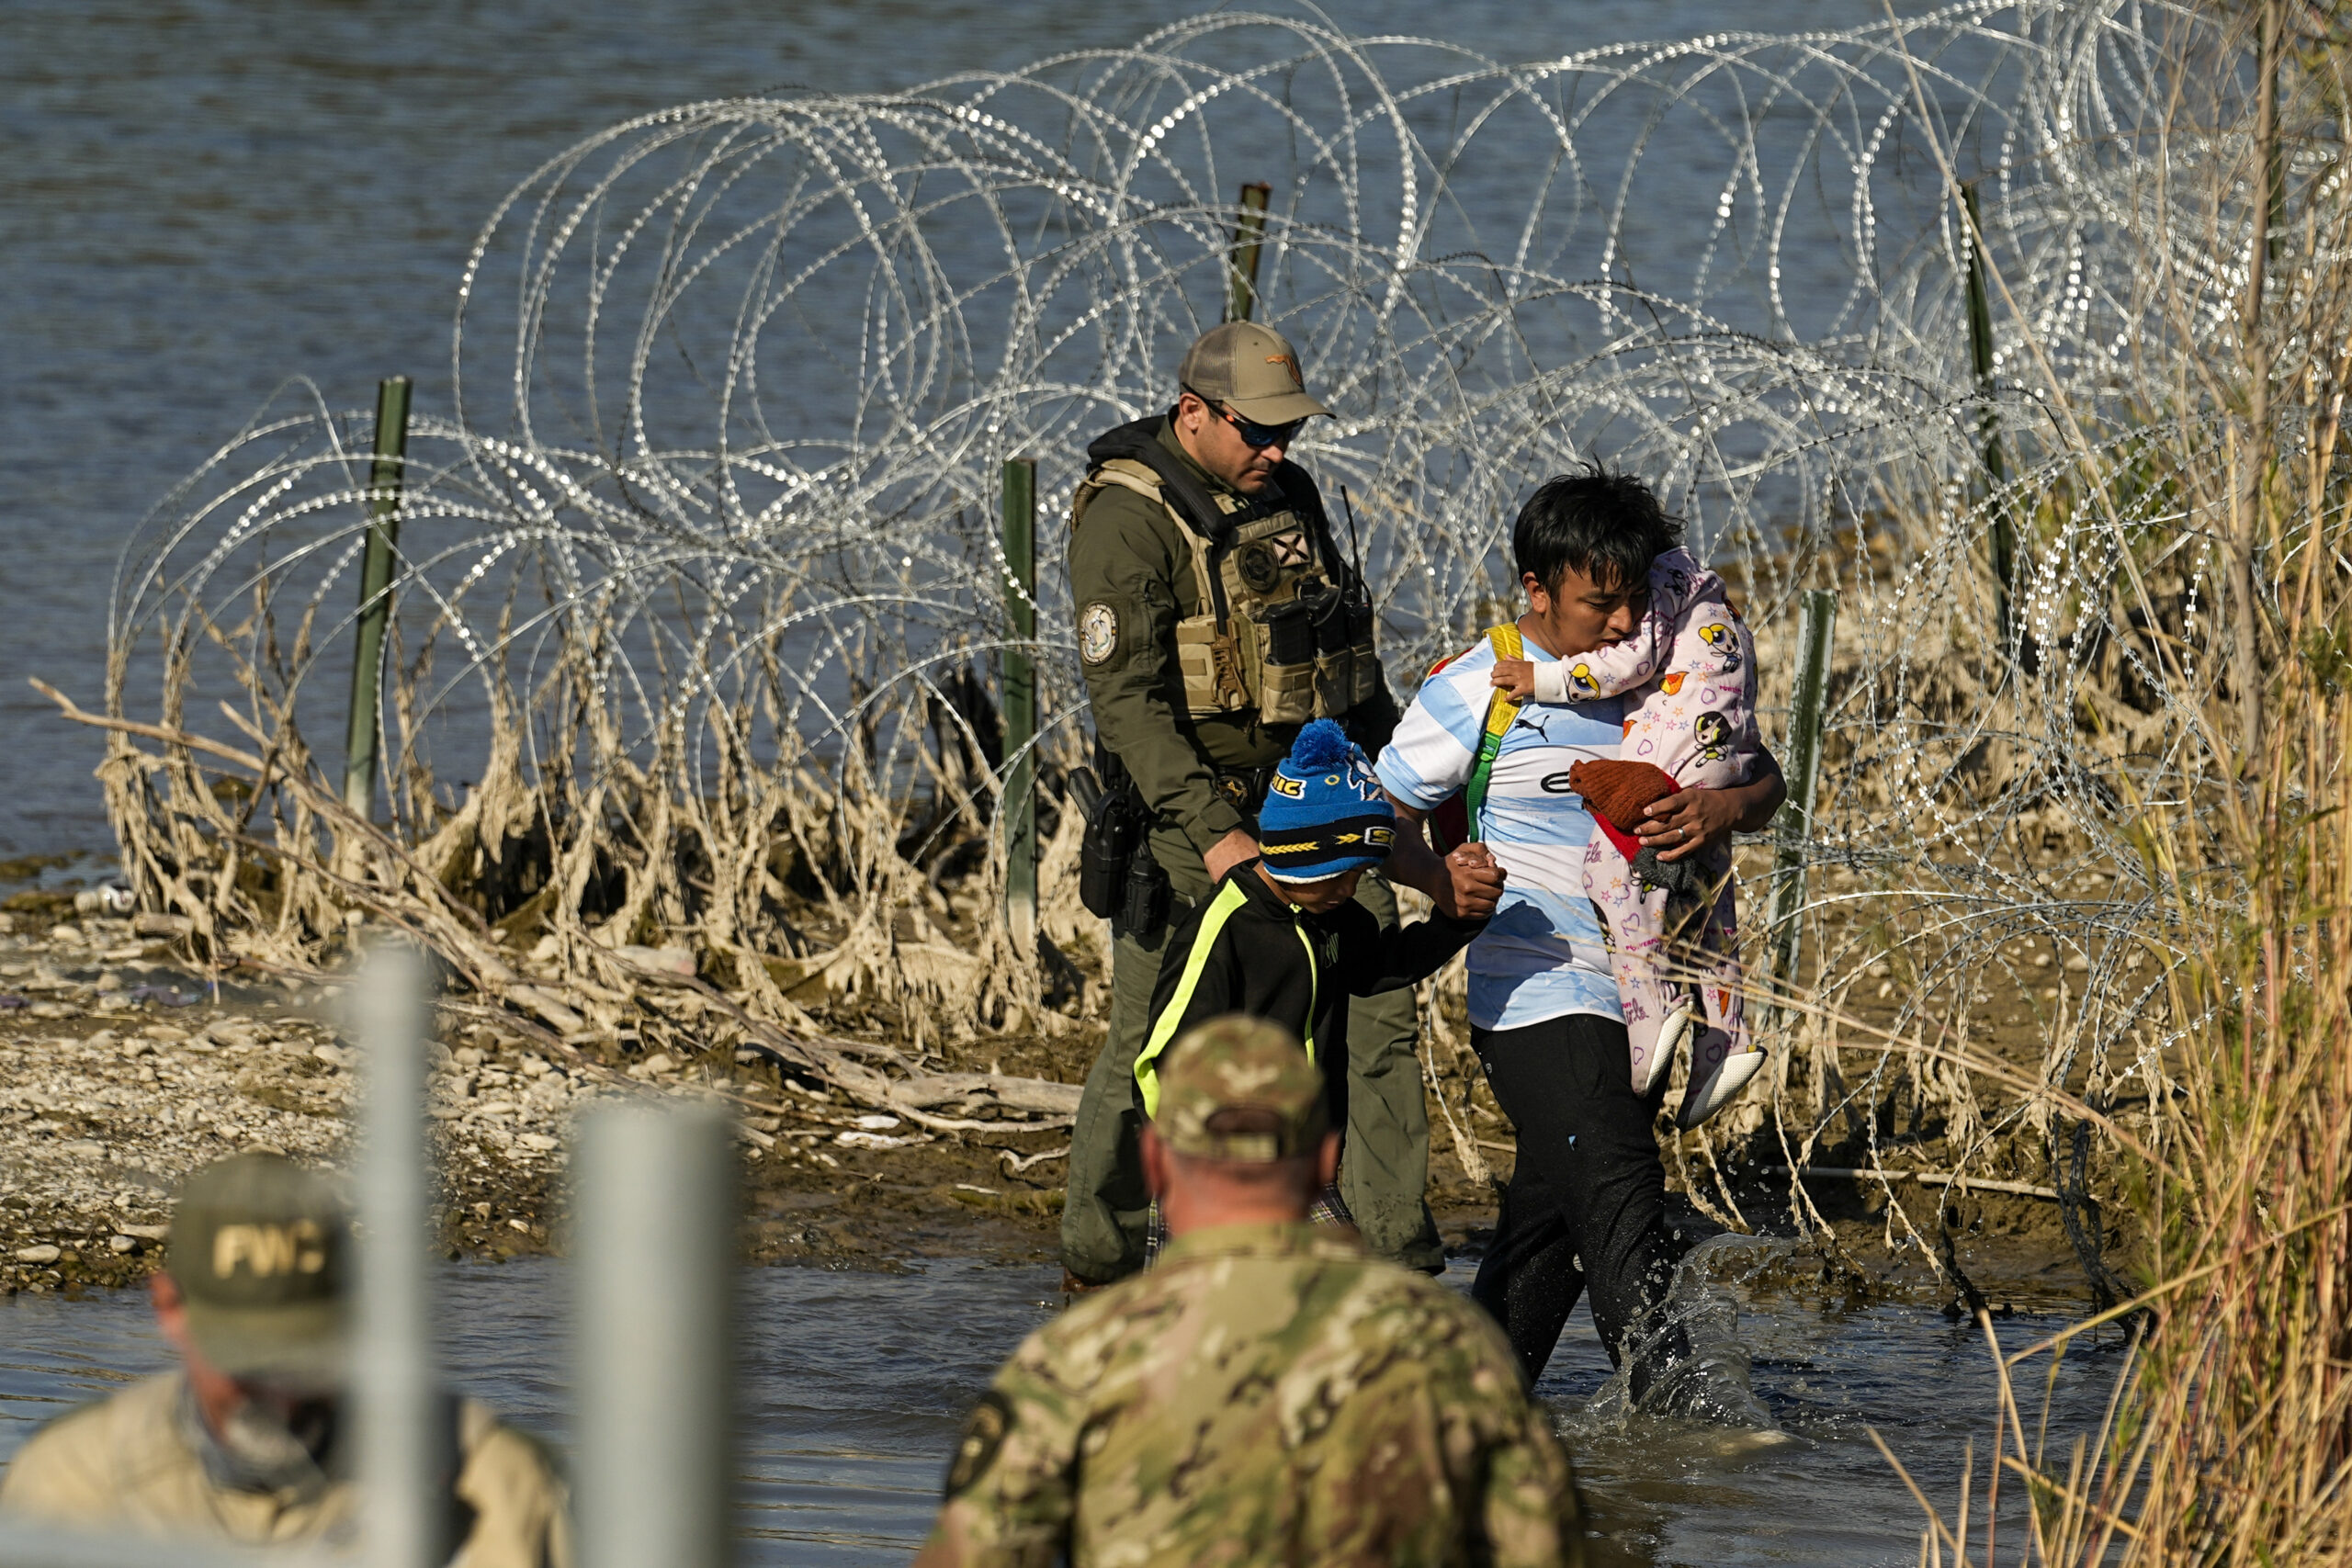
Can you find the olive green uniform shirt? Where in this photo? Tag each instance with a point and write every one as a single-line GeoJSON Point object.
{"type": "Point", "coordinates": [123, 1467]}
{"type": "Point", "coordinates": [1266, 1394]}
{"type": "Point", "coordinates": [1128, 554]}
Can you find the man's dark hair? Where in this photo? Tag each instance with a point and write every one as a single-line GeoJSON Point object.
{"type": "Point", "coordinates": [1602, 522]}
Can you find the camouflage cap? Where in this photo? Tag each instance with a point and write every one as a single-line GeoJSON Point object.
{"type": "Point", "coordinates": [260, 1250]}
{"type": "Point", "coordinates": [1240, 1088]}
{"type": "Point", "coordinates": [1250, 370]}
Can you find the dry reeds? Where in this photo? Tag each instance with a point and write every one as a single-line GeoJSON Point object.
{"type": "Point", "coordinates": [2232, 1432]}
{"type": "Point", "coordinates": [690, 731]}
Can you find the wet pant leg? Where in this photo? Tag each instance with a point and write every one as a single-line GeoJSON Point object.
{"type": "Point", "coordinates": [1591, 1167]}
{"type": "Point", "coordinates": [1530, 1277]}
{"type": "Point", "coordinates": [1385, 1170]}
{"type": "Point", "coordinates": [1106, 1208]}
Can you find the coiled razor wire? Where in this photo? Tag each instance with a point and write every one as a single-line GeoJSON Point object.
{"type": "Point", "coordinates": [716, 502]}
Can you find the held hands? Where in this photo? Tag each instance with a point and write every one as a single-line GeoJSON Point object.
{"type": "Point", "coordinates": [1514, 676]}
{"type": "Point", "coordinates": [1471, 885]}
{"type": "Point", "coordinates": [1230, 851]}
{"type": "Point", "coordinates": [1687, 822]}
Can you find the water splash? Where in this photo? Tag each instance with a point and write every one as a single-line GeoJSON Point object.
{"type": "Point", "coordinates": [1708, 1385]}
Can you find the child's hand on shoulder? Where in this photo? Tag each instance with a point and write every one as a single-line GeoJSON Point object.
{"type": "Point", "coordinates": [1514, 676]}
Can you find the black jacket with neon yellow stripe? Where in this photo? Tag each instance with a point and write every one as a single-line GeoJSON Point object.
{"type": "Point", "coordinates": [1265, 958]}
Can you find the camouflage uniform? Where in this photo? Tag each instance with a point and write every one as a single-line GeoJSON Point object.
{"type": "Point", "coordinates": [1268, 1395]}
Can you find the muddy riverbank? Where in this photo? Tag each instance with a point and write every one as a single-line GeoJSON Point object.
{"type": "Point", "coordinates": [120, 1070]}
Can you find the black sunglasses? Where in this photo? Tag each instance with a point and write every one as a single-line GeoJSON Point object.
{"type": "Point", "coordinates": [1252, 433]}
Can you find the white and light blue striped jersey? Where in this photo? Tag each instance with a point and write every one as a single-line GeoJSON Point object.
{"type": "Point", "coordinates": [1543, 955]}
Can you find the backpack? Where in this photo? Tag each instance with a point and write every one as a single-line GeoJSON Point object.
{"type": "Point", "coordinates": [1456, 817]}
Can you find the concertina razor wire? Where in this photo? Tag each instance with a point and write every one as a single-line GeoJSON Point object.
{"type": "Point", "coordinates": [705, 554]}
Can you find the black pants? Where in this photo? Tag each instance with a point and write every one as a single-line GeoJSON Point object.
{"type": "Point", "coordinates": [1587, 1201]}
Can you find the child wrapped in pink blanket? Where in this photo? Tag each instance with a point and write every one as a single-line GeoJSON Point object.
{"type": "Point", "coordinates": [1688, 675]}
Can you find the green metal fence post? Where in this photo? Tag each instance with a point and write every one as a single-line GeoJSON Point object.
{"type": "Point", "coordinates": [1816, 624]}
{"type": "Point", "coordinates": [1019, 808]}
{"type": "Point", "coordinates": [1241, 261]}
{"type": "Point", "coordinates": [375, 596]}
{"type": "Point", "coordinates": [2003, 543]}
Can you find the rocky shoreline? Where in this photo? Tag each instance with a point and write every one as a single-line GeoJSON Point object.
{"type": "Point", "coordinates": [123, 1069]}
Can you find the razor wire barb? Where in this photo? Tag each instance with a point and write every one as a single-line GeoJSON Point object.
{"type": "Point", "coordinates": [699, 591]}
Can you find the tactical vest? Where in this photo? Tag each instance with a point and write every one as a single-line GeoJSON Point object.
{"type": "Point", "coordinates": [1284, 626]}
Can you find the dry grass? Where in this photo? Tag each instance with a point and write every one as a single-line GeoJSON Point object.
{"type": "Point", "coordinates": [2232, 1431]}
{"type": "Point", "coordinates": [718, 703]}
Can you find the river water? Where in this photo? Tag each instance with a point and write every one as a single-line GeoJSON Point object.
{"type": "Point", "coordinates": [200, 199]}
{"type": "Point", "coordinates": [855, 1384]}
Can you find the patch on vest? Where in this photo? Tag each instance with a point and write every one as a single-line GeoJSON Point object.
{"type": "Point", "coordinates": [1098, 632]}
{"type": "Point", "coordinates": [1256, 565]}
{"type": "Point", "coordinates": [984, 1434]}
{"type": "Point", "coordinates": [1293, 550]}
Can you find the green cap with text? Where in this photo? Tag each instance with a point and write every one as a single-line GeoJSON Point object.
{"type": "Point", "coordinates": [260, 1249]}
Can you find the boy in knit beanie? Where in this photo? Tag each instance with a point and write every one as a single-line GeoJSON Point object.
{"type": "Point", "coordinates": [1282, 937]}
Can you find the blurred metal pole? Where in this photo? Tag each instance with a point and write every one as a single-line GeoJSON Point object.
{"type": "Point", "coordinates": [656, 1277]}
{"type": "Point", "coordinates": [375, 596]}
{"type": "Point", "coordinates": [1816, 624]}
{"type": "Point", "coordinates": [1242, 263]}
{"type": "Point", "coordinates": [404, 1433]}
{"type": "Point", "coordinates": [1018, 810]}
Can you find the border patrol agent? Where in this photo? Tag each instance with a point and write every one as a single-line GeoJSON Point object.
{"type": "Point", "coordinates": [1268, 1394]}
{"type": "Point", "coordinates": [244, 1444]}
{"type": "Point", "coordinates": [1216, 615]}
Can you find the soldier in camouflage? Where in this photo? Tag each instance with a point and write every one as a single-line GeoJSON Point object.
{"type": "Point", "coordinates": [1216, 615]}
{"type": "Point", "coordinates": [1268, 1394]}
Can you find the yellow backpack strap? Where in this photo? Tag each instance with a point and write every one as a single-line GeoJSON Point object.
{"type": "Point", "coordinates": [1501, 710]}
{"type": "Point", "coordinates": [1228, 901]}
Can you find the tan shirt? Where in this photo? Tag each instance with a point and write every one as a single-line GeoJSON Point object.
{"type": "Point", "coordinates": [122, 1466]}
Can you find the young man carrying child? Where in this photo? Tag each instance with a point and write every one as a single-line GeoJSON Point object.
{"type": "Point", "coordinates": [1586, 1206]}
{"type": "Point", "coordinates": [1688, 675]}
{"type": "Point", "coordinates": [1281, 938]}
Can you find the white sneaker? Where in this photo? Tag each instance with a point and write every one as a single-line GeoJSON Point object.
{"type": "Point", "coordinates": [1674, 1034]}
{"type": "Point", "coordinates": [1718, 1088]}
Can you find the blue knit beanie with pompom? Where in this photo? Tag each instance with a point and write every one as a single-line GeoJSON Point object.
{"type": "Point", "coordinates": [1324, 813]}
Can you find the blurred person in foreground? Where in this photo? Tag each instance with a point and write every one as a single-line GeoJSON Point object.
{"type": "Point", "coordinates": [247, 1442]}
{"type": "Point", "coordinates": [1269, 1394]}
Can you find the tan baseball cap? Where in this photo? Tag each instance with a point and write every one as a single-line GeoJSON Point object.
{"type": "Point", "coordinates": [260, 1249]}
{"type": "Point", "coordinates": [1240, 1088]}
{"type": "Point", "coordinates": [1250, 370]}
